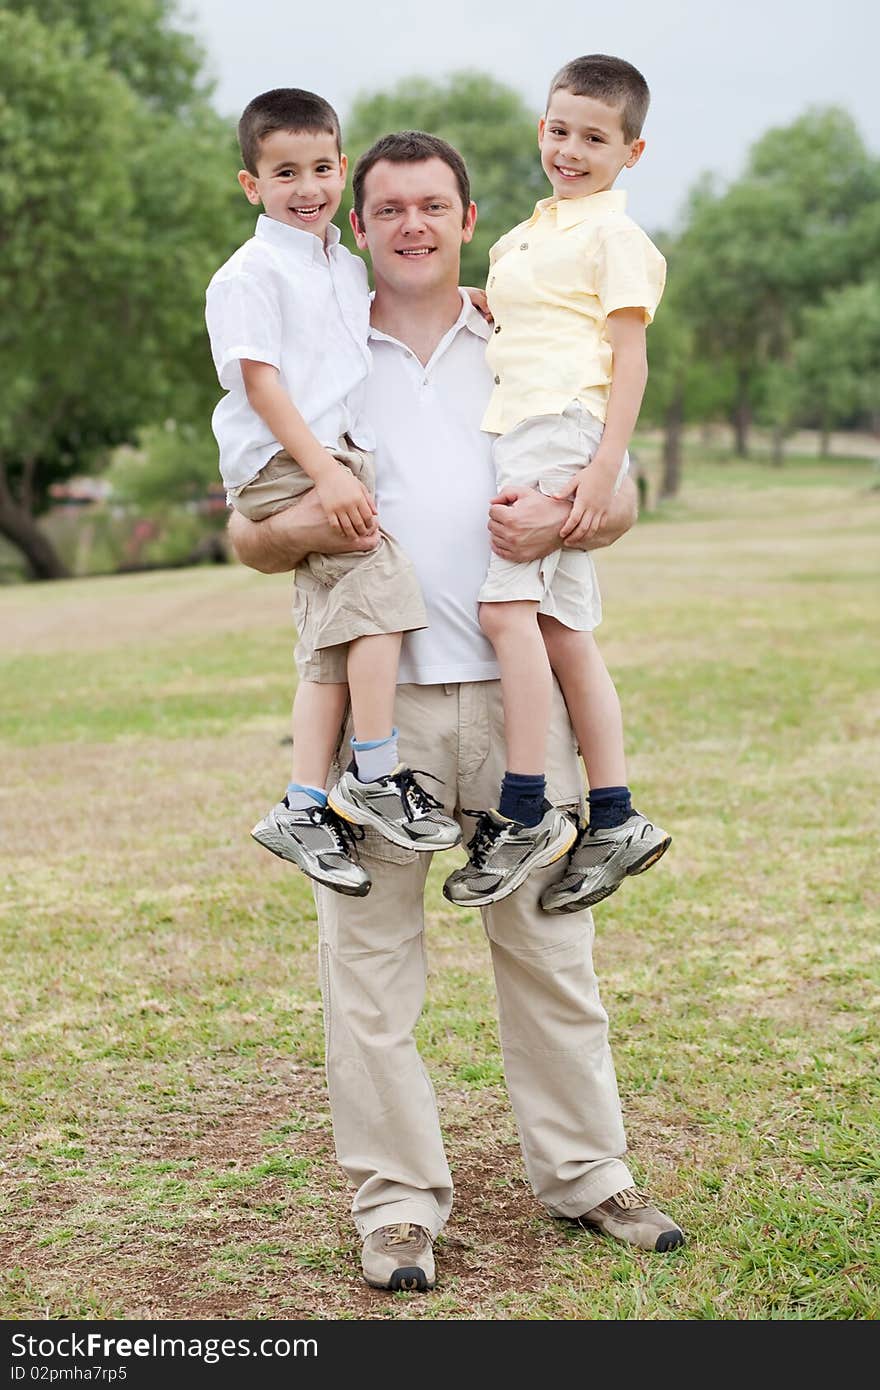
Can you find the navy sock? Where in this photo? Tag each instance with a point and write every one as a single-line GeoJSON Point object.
{"type": "Point", "coordinates": [522, 797]}
{"type": "Point", "coordinates": [609, 807]}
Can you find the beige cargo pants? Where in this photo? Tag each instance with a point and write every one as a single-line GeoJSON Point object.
{"type": "Point", "coordinates": [554, 1031]}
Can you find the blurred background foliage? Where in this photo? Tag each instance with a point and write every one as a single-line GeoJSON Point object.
{"type": "Point", "coordinates": [118, 200]}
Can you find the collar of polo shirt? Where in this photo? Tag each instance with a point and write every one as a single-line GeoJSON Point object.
{"type": "Point", "coordinates": [571, 211]}
{"type": "Point", "coordinates": [470, 317]}
{"type": "Point", "coordinates": [300, 243]}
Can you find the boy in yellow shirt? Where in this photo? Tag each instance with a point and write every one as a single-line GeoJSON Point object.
{"type": "Point", "coordinates": [571, 290]}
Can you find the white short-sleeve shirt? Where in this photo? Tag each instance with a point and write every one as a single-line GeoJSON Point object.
{"type": "Point", "coordinates": [282, 299]}
{"type": "Point", "coordinates": [434, 483]}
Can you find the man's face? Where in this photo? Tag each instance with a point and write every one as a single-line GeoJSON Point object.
{"type": "Point", "coordinates": [300, 178]}
{"type": "Point", "coordinates": [582, 145]}
{"type": "Point", "coordinates": [412, 225]}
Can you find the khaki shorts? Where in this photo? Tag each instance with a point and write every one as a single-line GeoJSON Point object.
{"type": "Point", "coordinates": [337, 598]}
{"type": "Point", "coordinates": [545, 451]}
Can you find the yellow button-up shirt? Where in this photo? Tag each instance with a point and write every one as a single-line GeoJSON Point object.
{"type": "Point", "coordinates": [553, 281]}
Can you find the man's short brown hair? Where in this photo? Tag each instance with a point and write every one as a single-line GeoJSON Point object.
{"type": "Point", "coordinates": [410, 147]}
{"type": "Point", "coordinates": [284, 108]}
{"type": "Point", "coordinates": [611, 80]}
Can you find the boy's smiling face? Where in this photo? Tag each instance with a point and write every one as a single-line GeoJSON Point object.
{"type": "Point", "coordinates": [299, 180]}
{"type": "Point", "coordinates": [582, 145]}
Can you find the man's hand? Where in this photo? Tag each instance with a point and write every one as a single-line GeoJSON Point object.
{"type": "Point", "coordinates": [592, 492]}
{"type": "Point", "coordinates": [347, 504]}
{"type": "Point", "coordinates": [525, 525]}
{"type": "Point", "coordinates": [279, 543]}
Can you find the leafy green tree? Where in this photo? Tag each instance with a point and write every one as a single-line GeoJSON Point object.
{"type": "Point", "coordinates": [682, 385]}
{"type": "Point", "coordinates": [754, 258]}
{"type": "Point", "coordinates": [116, 209]}
{"type": "Point", "coordinates": [487, 122]}
{"type": "Point", "coordinates": [837, 357]}
{"type": "Point", "coordinates": [137, 41]}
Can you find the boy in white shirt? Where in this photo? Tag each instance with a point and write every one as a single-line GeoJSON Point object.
{"type": "Point", "coordinates": [572, 291]}
{"type": "Point", "coordinates": [288, 317]}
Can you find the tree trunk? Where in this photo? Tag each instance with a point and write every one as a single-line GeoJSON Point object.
{"type": "Point", "coordinates": [824, 438]}
{"type": "Point", "coordinates": [742, 413]}
{"type": "Point", "coordinates": [777, 456]}
{"type": "Point", "coordinates": [674, 421]}
{"type": "Point", "coordinates": [20, 529]}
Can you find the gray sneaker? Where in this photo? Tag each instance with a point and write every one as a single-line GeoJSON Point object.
{"type": "Point", "coordinates": [398, 807]}
{"type": "Point", "coordinates": [602, 859]}
{"type": "Point", "coordinates": [503, 853]}
{"type": "Point", "coordinates": [399, 1257]}
{"type": "Point", "coordinates": [629, 1216]}
{"type": "Point", "coordinates": [319, 843]}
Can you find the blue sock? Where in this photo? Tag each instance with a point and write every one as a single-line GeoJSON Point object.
{"type": "Point", "coordinates": [375, 758]}
{"type": "Point", "coordinates": [300, 797]}
{"type": "Point", "coordinates": [609, 807]}
{"type": "Point", "coordinates": [522, 797]}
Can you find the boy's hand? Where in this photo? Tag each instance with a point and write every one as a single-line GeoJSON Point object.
{"type": "Point", "coordinates": [479, 301]}
{"type": "Point", "coordinates": [348, 505]}
{"type": "Point", "coordinates": [592, 494]}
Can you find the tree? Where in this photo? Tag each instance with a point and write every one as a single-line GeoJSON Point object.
{"type": "Point", "coordinates": [115, 209]}
{"type": "Point", "coordinates": [682, 385]}
{"type": "Point", "coordinates": [488, 123]}
{"type": "Point", "coordinates": [137, 41]}
{"type": "Point", "coordinates": [837, 357]}
{"type": "Point", "coordinates": [755, 257]}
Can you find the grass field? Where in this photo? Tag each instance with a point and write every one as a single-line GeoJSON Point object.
{"type": "Point", "coordinates": [167, 1144]}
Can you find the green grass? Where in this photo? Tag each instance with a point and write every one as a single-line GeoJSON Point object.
{"type": "Point", "coordinates": [168, 1150]}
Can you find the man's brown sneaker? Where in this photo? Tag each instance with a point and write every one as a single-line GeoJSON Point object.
{"type": "Point", "coordinates": [399, 1257]}
{"type": "Point", "coordinates": [628, 1215]}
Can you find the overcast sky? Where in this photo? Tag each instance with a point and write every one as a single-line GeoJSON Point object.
{"type": "Point", "coordinates": [720, 74]}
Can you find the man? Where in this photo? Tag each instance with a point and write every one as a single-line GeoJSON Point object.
{"type": "Point", "coordinates": [426, 397]}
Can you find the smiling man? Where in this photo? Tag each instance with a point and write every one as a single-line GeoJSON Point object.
{"type": "Point", "coordinates": [426, 397]}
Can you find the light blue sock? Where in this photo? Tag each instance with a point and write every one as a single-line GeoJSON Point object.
{"type": "Point", "coordinates": [375, 758]}
{"type": "Point", "coordinates": [300, 798]}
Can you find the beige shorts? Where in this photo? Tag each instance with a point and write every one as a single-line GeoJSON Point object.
{"type": "Point", "coordinates": [545, 451]}
{"type": "Point", "coordinates": [337, 598]}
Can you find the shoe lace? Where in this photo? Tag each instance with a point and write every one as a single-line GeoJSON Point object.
{"type": "Point", "coordinates": [485, 834]}
{"type": "Point", "coordinates": [630, 1200]}
{"type": "Point", "coordinates": [401, 1234]}
{"type": "Point", "coordinates": [415, 799]}
{"type": "Point", "coordinates": [344, 832]}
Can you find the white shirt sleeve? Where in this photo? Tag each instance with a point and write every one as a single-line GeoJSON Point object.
{"type": "Point", "coordinates": [244, 321]}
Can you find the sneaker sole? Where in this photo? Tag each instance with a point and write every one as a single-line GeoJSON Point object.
{"type": "Point", "coordinates": [356, 815]}
{"type": "Point", "coordinates": [408, 1279]}
{"type": "Point", "coordinates": [598, 895]}
{"type": "Point", "coordinates": [553, 852]}
{"type": "Point", "coordinates": [281, 850]}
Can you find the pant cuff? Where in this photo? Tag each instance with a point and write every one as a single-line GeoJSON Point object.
{"type": "Point", "coordinates": [612, 1177]}
{"type": "Point", "coordinates": [419, 1213]}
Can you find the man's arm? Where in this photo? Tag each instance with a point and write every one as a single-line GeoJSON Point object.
{"type": "Point", "coordinates": [281, 541]}
{"type": "Point", "coordinates": [525, 525]}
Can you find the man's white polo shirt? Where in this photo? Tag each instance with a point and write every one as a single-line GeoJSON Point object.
{"type": "Point", "coordinates": [434, 483]}
{"type": "Point", "coordinates": [280, 299]}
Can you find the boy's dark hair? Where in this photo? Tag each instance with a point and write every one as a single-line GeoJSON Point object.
{"type": "Point", "coordinates": [611, 80]}
{"type": "Point", "coordinates": [410, 147]}
{"type": "Point", "coordinates": [284, 108]}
